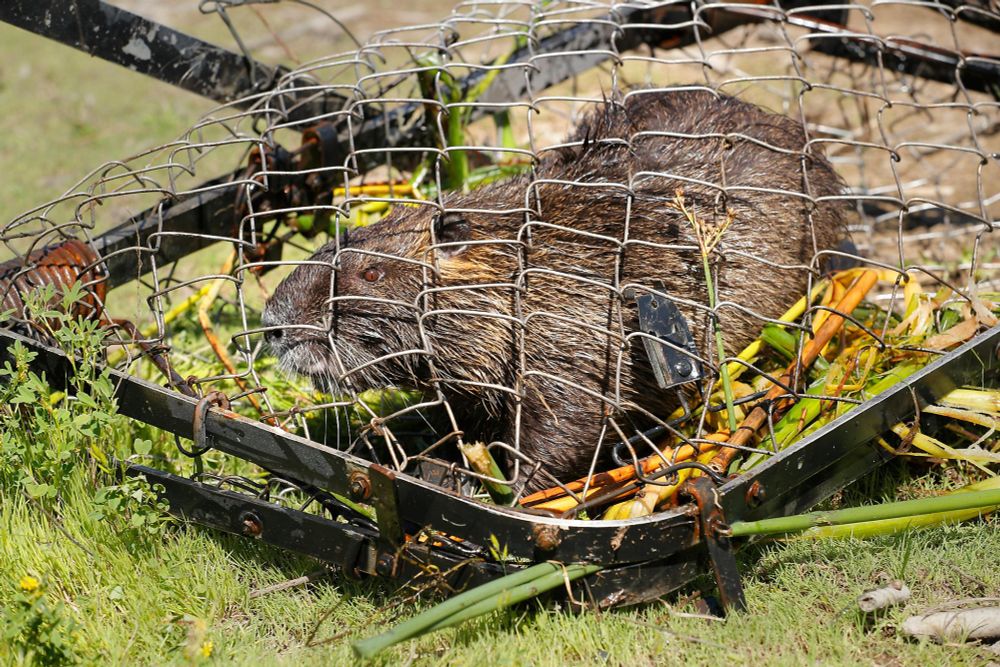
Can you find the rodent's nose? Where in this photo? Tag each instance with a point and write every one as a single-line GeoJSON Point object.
{"type": "Point", "coordinates": [273, 337]}
{"type": "Point", "coordinates": [270, 318]}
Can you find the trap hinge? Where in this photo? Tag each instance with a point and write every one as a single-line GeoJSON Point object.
{"type": "Point", "coordinates": [672, 354]}
{"type": "Point", "coordinates": [391, 537]}
{"type": "Point", "coordinates": [715, 533]}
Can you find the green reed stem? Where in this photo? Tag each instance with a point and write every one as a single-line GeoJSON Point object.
{"type": "Point", "coordinates": [906, 508]}
{"type": "Point", "coordinates": [727, 386]}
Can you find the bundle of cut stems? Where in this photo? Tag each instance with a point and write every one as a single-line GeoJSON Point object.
{"type": "Point", "coordinates": [557, 499]}
{"type": "Point", "coordinates": [758, 416]}
{"type": "Point", "coordinates": [860, 368]}
{"type": "Point", "coordinates": [497, 594]}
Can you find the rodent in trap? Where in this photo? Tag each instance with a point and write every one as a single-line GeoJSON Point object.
{"type": "Point", "coordinates": [510, 300]}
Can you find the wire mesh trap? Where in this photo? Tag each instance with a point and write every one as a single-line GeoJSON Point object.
{"type": "Point", "coordinates": [540, 280]}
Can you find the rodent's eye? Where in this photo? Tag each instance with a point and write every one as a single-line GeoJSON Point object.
{"type": "Point", "coordinates": [372, 274]}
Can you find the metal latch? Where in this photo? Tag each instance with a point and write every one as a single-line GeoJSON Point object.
{"type": "Point", "coordinates": [715, 533]}
{"type": "Point", "coordinates": [675, 359]}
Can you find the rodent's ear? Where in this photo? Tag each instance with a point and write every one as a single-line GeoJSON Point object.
{"type": "Point", "coordinates": [451, 227]}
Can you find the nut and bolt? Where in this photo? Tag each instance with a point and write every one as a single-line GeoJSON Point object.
{"type": "Point", "coordinates": [252, 525]}
{"type": "Point", "coordinates": [385, 565]}
{"type": "Point", "coordinates": [755, 495]}
{"type": "Point", "coordinates": [358, 486]}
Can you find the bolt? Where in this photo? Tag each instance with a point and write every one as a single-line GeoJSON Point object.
{"type": "Point", "coordinates": [385, 566]}
{"type": "Point", "coordinates": [547, 537]}
{"type": "Point", "coordinates": [682, 367]}
{"type": "Point", "coordinates": [755, 495]}
{"type": "Point", "coordinates": [252, 526]}
{"type": "Point", "coordinates": [358, 486]}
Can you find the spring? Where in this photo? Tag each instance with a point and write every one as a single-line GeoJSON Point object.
{"type": "Point", "coordinates": [60, 265]}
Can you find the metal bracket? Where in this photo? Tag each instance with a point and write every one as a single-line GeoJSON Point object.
{"type": "Point", "coordinates": [333, 542]}
{"type": "Point", "coordinates": [391, 537]}
{"type": "Point", "coordinates": [715, 534]}
{"type": "Point", "coordinates": [348, 546]}
{"type": "Point", "coordinates": [674, 361]}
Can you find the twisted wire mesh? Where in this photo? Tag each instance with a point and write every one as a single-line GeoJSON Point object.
{"type": "Point", "coordinates": [919, 158]}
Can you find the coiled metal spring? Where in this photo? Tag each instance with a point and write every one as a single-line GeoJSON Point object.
{"type": "Point", "coordinates": [60, 265]}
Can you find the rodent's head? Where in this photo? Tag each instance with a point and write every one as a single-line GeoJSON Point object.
{"type": "Point", "coordinates": [340, 317]}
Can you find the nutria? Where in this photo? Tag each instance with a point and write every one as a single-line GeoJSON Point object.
{"type": "Point", "coordinates": [514, 295]}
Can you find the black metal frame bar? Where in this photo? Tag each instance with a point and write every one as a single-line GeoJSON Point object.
{"type": "Point", "coordinates": [645, 557]}
{"type": "Point", "coordinates": [121, 37]}
{"type": "Point", "coordinates": [666, 544]}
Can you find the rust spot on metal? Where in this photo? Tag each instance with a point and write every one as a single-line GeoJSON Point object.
{"type": "Point", "coordinates": [547, 536]}
{"type": "Point", "coordinates": [252, 525]}
{"type": "Point", "coordinates": [616, 540]}
{"type": "Point", "coordinates": [358, 486]}
{"type": "Point", "coordinates": [755, 495]}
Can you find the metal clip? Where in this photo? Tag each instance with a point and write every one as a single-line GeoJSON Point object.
{"type": "Point", "coordinates": [674, 361]}
{"type": "Point", "coordinates": [390, 527]}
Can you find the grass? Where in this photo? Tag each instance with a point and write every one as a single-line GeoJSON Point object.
{"type": "Point", "coordinates": [161, 602]}
{"type": "Point", "coordinates": [56, 105]}
{"type": "Point", "coordinates": [186, 591]}
{"type": "Point", "coordinates": [121, 587]}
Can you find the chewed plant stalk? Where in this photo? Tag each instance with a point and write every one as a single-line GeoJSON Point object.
{"type": "Point", "coordinates": [708, 238]}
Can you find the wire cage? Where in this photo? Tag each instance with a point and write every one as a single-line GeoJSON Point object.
{"type": "Point", "coordinates": [468, 267]}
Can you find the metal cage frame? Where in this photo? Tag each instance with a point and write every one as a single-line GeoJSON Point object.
{"type": "Point", "coordinates": [643, 558]}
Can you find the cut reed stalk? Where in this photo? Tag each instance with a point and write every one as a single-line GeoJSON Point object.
{"type": "Point", "coordinates": [482, 462]}
{"type": "Point", "coordinates": [906, 508]}
{"type": "Point", "coordinates": [495, 594]}
{"type": "Point", "coordinates": [890, 526]}
{"type": "Point", "coordinates": [758, 416]}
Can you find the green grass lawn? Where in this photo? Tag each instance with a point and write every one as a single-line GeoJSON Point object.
{"type": "Point", "coordinates": [65, 113]}
{"type": "Point", "coordinates": [89, 568]}
{"type": "Point", "coordinates": [159, 602]}
{"type": "Point", "coordinates": [131, 593]}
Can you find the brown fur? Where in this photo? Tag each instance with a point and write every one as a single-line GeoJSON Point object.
{"type": "Point", "coordinates": [543, 266]}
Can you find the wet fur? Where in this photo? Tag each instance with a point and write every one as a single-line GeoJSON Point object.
{"type": "Point", "coordinates": [563, 273]}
